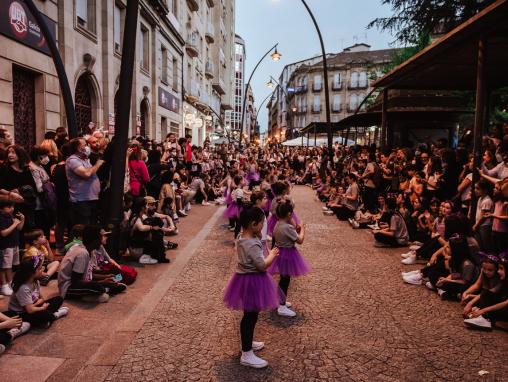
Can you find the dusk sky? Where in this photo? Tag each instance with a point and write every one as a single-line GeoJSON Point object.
{"type": "Point", "coordinates": [262, 23]}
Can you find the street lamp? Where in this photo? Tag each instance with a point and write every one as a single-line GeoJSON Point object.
{"type": "Point", "coordinates": [275, 57]}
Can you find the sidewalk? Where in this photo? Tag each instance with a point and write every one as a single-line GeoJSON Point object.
{"type": "Point", "coordinates": [87, 343]}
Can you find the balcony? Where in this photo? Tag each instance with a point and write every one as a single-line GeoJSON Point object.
{"type": "Point", "coordinates": [209, 70]}
{"type": "Point", "coordinates": [336, 85]}
{"type": "Point", "coordinates": [219, 86]}
{"type": "Point", "coordinates": [210, 34]}
{"type": "Point", "coordinates": [194, 92]}
{"type": "Point", "coordinates": [193, 5]}
{"type": "Point", "coordinates": [301, 89]}
{"type": "Point", "coordinates": [316, 109]}
{"type": "Point", "coordinates": [317, 88]}
{"type": "Point", "coordinates": [192, 44]}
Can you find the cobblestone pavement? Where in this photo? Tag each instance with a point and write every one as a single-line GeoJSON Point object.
{"type": "Point", "coordinates": [356, 320]}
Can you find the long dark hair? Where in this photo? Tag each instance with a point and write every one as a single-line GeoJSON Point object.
{"type": "Point", "coordinates": [23, 158]}
{"type": "Point", "coordinates": [25, 271]}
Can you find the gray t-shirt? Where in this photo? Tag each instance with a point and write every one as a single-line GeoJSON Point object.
{"type": "Point", "coordinates": [81, 189]}
{"type": "Point", "coordinates": [352, 190]}
{"type": "Point", "coordinates": [250, 256]}
{"type": "Point", "coordinates": [285, 235]}
{"type": "Point", "coordinates": [196, 184]}
{"type": "Point", "coordinates": [27, 294]}
{"type": "Point", "coordinates": [399, 228]}
{"type": "Point", "coordinates": [75, 260]}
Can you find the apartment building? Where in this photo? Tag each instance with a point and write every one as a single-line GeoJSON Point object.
{"type": "Point", "coordinates": [89, 35]}
{"type": "Point", "coordinates": [303, 99]}
{"type": "Point", "coordinates": [251, 128]}
{"type": "Point", "coordinates": [239, 85]}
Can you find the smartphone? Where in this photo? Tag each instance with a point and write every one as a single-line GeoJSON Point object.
{"type": "Point", "coordinates": [118, 278]}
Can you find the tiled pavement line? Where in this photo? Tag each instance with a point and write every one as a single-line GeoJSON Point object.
{"type": "Point", "coordinates": [356, 320]}
{"type": "Point", "coordinates": [107, 354]}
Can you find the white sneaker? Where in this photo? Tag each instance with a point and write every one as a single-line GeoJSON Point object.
{"type": "Point", "coordinates": [183, 213]}
{"type": "Point", "coordinates": [248, 358]}
{"type": "Point", "coordinates": [147, 259]}
{"type": "Point", "coordinates": [415, 279]}
{"type": "Point", "coordinates": [328, 213]}
{"type": "Point", "coordinates": [187, 207]}
{"type": "Point", "coordinates": [414, 247]}
{"type": "Point", "coordinates": [175, 216]}
{"type": "Point", "coordinates": [440, 292]}
{"type": "Point", "coordinates": [62, 312]}
{"type": "Point", "coordinates": [479, 322]}
{"type": "Point", "coordinates": [355, 224]}
{"type": "Point", "coordinates": [409, 260]}
{"type": "Point", "coordinates": [408, 254]}
{"type": "Point", "coordinates": [203, 203]}
{"type": "Point", "coordinates": [16, 332]}
{"type": "Point", "coordinates": [257, 345]}
{"type": "Point", "coordinates": [6, 290]}
{"type": "Point", "coordinates": [324, 208]}
{"type": "Point", "coordinates": [429, 285]}
{"type": "Point", "coordinates": [410, 273]}
{"type": "Point", "coordinates": [284, 311]}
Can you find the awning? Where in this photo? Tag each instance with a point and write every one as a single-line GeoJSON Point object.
{"type": "Point", "coordinates": [318, 128]}
{"type": "Point", "coordinates": [451, 61]}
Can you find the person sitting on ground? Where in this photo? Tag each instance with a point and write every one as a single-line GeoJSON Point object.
{"type": "Point", "coordinates": [38, 245]}
{"type": "Point", "coordinates": [396, 235]}
{"type": "Point", "coordinates": [10, 328]}
{"type": "Point", "coordinates": [350, 200]}
{"type": "Point", "coordinates": [73, 275]}
{"type": "Point", "coordinates": [27, 301]}
{"type": "Point", "coordinates": [491, 305]}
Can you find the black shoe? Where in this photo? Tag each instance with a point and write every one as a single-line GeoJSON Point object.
{"type": "Point", "coordinates": [164, 260]}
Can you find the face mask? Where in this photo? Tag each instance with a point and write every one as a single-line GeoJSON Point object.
{"type": "Point", "coordinates": [44, 160]}
{"type": "Point", "coordinates": [87, 152]}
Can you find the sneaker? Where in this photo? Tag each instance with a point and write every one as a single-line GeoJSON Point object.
{"type": "Point", "coordinates": [409, 273]}
{"type": "Point", "coordinates": [147, 259]}
{"type": "Point", "coordinates": [248, 358]}
{"type": "Point", "coordinates": [257, 345]}
{"type": "Point", "coordinates": [414, 247]}
{"type": "Point", "coordinates": [187, 207]}
{"type": "Point", "coordinates": [6, 290]}
{"type": "Point", "coordinates": [407, 254]}
{"type": "Point", "coordinates": [409, 260]}
{"type": "Point", "coordinates": [429, 285]}
{"type": "Point", "coordinates": [328, 213]}
{"type": "Point", "coordinates": [175, 216]}
{"type": "Point", "coordinates": [415, 279]}
{"type": "Point", "coordinates": [284, 311]}
{"type": "Point", "coordinates": [183, 213]}
{"type": "Point", "coordinates": [205, 203]}
{"type": "Point", "coordinates": [101, 298]}
{"type": "Point", "coordinates": [441, 293]}
{"type": "Point", "coordinates": [2, 348]}
{"type": "Point", "coordinates": [324, 208]}
{"type": "Point", "coordinates": [16, 332]}
{"type": "Point", "coordinates": [355, 224]}
{"type": "Point", "coordinates": [62, 312]}
{"type": "Point", "coordinates": [373, 226]}
{"type": "Point", "coordinates": [479, 322]}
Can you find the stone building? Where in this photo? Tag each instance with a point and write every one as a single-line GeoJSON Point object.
{"type": "Point", "coordinates": [89, 36]}
{"type": "Point", "coordinates": [303, 99]}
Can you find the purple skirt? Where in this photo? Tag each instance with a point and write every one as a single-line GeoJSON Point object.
{"type": "Point", "coordinates": [289, 263]}
{"type": "Point", "coordinates": [252, 292]}
{"type": "Point", "coordinates": [229, 198]}
{"type": "Point", "coordinates": [233, 211]}
{"type": "Point", "coordinates": [272, 220]}
{"type": "Point", "coordinates": [252, 176]}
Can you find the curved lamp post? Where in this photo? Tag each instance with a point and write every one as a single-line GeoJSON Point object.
{"type": "Point", "coordinates": [275, 57]}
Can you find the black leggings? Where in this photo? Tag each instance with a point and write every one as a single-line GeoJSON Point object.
{"type": "Point", "coordinates": [5, 337]}
{"type": "Point", "coordinates": [343, 213]}
{"type": "Point", "coordinates": [85, 288]}
{"type": "Point", "coordinates": [388, 240]}
{"type": "Point", "coordinates": [41, 318]}
{"type": "Point", "coordinates": [247, 326]}
{"type": "Point", "coordinates": [428, 248]}
{"type": "Point", "coordinates": [284, 285]}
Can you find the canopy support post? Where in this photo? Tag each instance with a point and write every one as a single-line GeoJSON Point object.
{"type": "Point", "coordinates": [384, 120]}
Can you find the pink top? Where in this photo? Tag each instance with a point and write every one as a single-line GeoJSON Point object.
{"type": "Point", "coordinates": [500, 208]}
{"type": "Point", "coordinates": [139, 176]}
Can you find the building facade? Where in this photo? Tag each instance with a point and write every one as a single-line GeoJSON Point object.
{"type": "Point", "coordinates": [240, 57]}
{"type": "Point", "coordinates": [89, 35]}
{"type": "Point", "coordinates": [251, 128]}
{"type": "Point", "coordinates": [303, 99]}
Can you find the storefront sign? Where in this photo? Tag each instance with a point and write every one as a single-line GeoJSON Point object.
{"type": "Point", "coordinates": [17, 23]}
{"type": "Point", "coordinates": [168, 101]}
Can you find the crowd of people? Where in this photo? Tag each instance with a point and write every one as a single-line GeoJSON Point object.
{"type": "Point", "coordinates": [54, 215]}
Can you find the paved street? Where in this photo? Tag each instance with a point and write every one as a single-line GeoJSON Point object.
{"type": "Point", "coordinates": [356, 320]}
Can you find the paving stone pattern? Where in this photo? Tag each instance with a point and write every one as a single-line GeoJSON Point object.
{"type": "Point", "coordinates": [356, 320]}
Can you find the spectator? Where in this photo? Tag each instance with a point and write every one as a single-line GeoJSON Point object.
{"type": "Point", "coordinates": [10, 225]}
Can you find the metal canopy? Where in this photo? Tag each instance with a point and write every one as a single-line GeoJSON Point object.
{"type": "Point", "coordinates": [451, 61]}
{"type": "Point", "coordinates": [319, 128]}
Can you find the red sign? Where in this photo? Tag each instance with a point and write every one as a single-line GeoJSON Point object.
{"type": "Point", "coordinates": [17, 23]}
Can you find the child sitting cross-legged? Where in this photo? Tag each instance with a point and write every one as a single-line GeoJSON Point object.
{"type": "Point", "coordinates": [27, 300]}
{"type": "Point", "coordinates": [38, 246]}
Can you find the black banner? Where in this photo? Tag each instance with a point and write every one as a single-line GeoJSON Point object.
{"type": "Point", "coordinates": [17, 23]}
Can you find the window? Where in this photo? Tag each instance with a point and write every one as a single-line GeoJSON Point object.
{"type": "Point", "coordinates": [361, 97]}
{"type": "Point", "coordinates": [164, 127]}
{"type": "Point", "coordinates": [85, 14]}
{"type": "Point", "coordinates": [164, 65]}
{"type": "Point", "coordinates": [336, 81]}
{"type": "Point", "coordinates": [317, 82]}
{"type": "Point", "coordinates": [353, 102]}
{"type": "Point", "coordinates": [336, 102]}
{"type": "Point", "coordinates": [362, 82]}
{"type": "Point", "coordinates": [354, 79]}
{"type": "Point", "coordinates": [173, 6]}
{"type": "Point", "coordinates": [118, 23]}
{"type": "Point", "coordinates": [145, 48]}
{"type": "Point", "coordinates": [316, 103]}
{"type": "Point", "coordinates": [175, 74]}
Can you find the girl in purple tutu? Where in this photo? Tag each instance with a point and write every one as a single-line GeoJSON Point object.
{"type": "Point", "coordinates": [236, 206]}
{"type": "Point", "coordinates": [290, 263]}
{"type": "Point", "coordinates": [281, 195]}
{"type": "Point", "coordinates": [251, 289]}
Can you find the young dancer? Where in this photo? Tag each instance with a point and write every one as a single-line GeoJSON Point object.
{"type": "Point", "coordinates": [258, 199]}
{"type": "Point", "coordinates": [236, 206]}
{"type": "Point", "coordinates": [290, 262]}
{"type": "Point", "coordinates": [251, 289]}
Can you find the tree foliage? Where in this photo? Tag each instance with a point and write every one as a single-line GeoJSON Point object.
{"type": "Point", "coordinates": [412, 19]}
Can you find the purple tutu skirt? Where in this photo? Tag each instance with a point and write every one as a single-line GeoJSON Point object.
{"type": "Point", "coordinates": [289, 263]}
{"type": "Point", "coordinates": [272, 220]}
{"type": "Point", "coordinates": [233, 211]}
{"type": "Point", "coordinates": [229, 198]}
{"type": "Point", "coordinates": [252, 292]}
{"type": "Point", "coordinates": [252, 177]}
